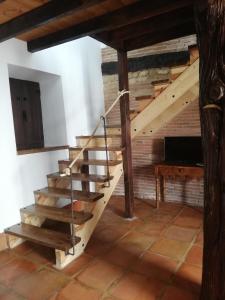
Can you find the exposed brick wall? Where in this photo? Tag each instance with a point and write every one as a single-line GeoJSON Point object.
{"type": "Point", "coordinates": [148, 150]}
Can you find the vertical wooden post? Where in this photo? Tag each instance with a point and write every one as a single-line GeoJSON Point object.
{"type": "Point", "coordinates": [210, 22]}
{"type": "Point", "coordinates": [126, 133]}
{"type": "Point", "coordinates": [85, 170]}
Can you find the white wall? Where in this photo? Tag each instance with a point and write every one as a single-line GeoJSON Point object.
{"type": "Point", "coordinates": [78, 65]}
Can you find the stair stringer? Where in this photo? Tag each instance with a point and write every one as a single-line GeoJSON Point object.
{"type": "Point", "coordinates": [85, 231]}
{"type": "Point", "coordinates": [176, 92]}
{"type": "Point", "coordinates": [172, 111]}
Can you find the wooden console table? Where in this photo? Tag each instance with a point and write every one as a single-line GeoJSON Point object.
{"type": "Point", "coordinates": [164, 170]}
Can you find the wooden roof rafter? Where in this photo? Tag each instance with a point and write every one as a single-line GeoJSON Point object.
{"type": "Point", "coordinates": [41, 15]}
{"type": "Point", "coordinates": [123, 25]}
{"type": "Point", "coordinates": [160, 36]}
{"type": "Point", "coordinates": [141, 10]}
{"type": "Point", "coordinates": [152, 26]}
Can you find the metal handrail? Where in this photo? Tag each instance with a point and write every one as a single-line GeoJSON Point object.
{"type": "Point", "coordinates": [67, 171]}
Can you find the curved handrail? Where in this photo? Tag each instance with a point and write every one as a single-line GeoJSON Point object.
{"type": "Point", "coordinates": [67, 171]}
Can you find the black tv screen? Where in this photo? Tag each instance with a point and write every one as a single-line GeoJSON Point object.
{"type": "Point", "coordinates": [186, 150]}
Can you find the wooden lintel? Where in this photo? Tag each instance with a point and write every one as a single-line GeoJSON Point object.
{"type": "Point", "coordinates": [126, 134]}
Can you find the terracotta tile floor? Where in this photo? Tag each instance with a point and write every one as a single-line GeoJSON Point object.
{"type": "Point", "coordinates": [158, 255]}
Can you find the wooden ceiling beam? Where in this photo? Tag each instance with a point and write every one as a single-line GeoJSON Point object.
{"type": "Point", "coordinates": [160, 36]}
{"type": "Point", "coordinates": [149, 26]}
{"type": "Point", "coordinates": [42, 15]}
{"type": "Point", "coordinates": [138, 11]}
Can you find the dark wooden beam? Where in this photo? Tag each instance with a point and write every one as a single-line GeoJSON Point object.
{"type": "Point", "coordinates": [136, 64]}
{"type": "Point", "coordinates": [42, 15]}
{"type": "Point", "coordinates": [126, 134]}
{"type": "Point", "coordinates": [127, 15]}
{"type": "Point", "coordinates": [85, 170]}
{"type": "Point", "coordinates": [149, 26]}
{"type": "Point", "coordinates": [160, 36]}
{"type": "Point", "coordinates": [210, 23]}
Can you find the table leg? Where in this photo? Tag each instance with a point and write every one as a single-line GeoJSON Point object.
{"type": "Point", "coordinates": [157, 190]}
{"type": "Point", "coordinates": [162, 188]}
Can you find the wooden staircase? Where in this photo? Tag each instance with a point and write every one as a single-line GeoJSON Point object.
{"type": "Point", "coordinates": [80, 210]}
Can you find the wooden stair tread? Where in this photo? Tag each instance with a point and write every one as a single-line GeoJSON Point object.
{"type": "Point", "coordinates": [144, 97]}
{"type": "Point", "coordinates": [113, 126]}
{"type": "Point", "coordinates": [66, 193]}
{"type": "Point", "coordinates": [42, 236]}
{"type": "Point", "coordinates": [83, 177]}
{"type": "Point", "coordinates": [93, 162]}
{"type": "Point", "coordinates": [58, 214]}
{"type": "Point", "coordinates": [160, 82]}
{"type": "Point", "coordinates": [99, 136]}
{"type": "Point", "coordinates": [97, 148]}
{"type": "Point", "coordinates": [132, 111]}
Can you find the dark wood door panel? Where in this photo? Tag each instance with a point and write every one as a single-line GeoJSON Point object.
{"type": "Point", "coordinates": [27, 114]}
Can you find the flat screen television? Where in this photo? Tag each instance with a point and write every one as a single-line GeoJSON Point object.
{"type": "Point", "coordinates": [183, 150]}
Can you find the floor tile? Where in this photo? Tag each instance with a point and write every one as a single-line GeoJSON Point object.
{"type": "Point", "coordinates": [171, 248]}
{"type": "Point", "coordinates": [189, 277]}
{"type": "Point", "coordinates": [135, 238]}
{"type": "Point", "coordinates": [142, 211]}
{"type": "Point", "coordinates": [199, 239]}
{"type": "Point", "coordinates": [174, 293]}
{"type": "Point", "coordinates": [189, 217]}
{"type": "Point", "coordinates": [95, 248]}
{"type": "Point", "coordinates": [160, 216]}
{"type": "Point", "coordinates": [128, 249]}
{"type": "Point", "coordinates": [23, 248]}
{"type": "Point", "coordinates": [41, 284]}
{"type": "Point", "coordinates": [110, 234]}
{"type": "Point", "coordinates": [3, 242]}
{"type": "Point", "coordinates": [180, 233]}
{"type": "Point", "coordinates": [122, 256]}
{"type": "Point", "coordinates": [75, 290]}
{"type": "Point", "coordinates": [151, 228]}
{"type": "Point", "coordinates": [15, 269]}
{"type": "Point", "coordinates": [156, 266]}
{"type": "Point", "coordinates": [124, 260]}
{"type": "Point", "coordinates": [42, 255]}
{"type": "Point", "coordinates": [100, 274]}
{"type": "Point", "coordinates": [135, 287]}
{"type": "Point", "coordinates": [78, 265]}
{"type": "Point", "coordinates": [6, 256]}
{"type": "Point", "coordinates": [8, 294]}
{"type": "Point", "coordinates": [195, 256]}
{"type": "Point", "coordinates": [170, 208]}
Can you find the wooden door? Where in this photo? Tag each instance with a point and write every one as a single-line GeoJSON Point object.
{"type": "Point", "coordinates": [27, 114]}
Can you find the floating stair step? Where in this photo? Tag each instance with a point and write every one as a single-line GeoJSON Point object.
{"type": "Point", "coordinates": [146, 97]}
{"type": "Point", "coordinates": [42, 236]}
{"type": "Point", "coordinates": [66, 194]}
{"type": "Point", "coordinates": [84, 177]}
{"type": "Point", "coordinates": [99, 136]}
{"type": "Point", "coordinates": [160, 82]}
{"type": "Point", "coordinates": [57, 214]}
{"type": "Point", "coordinates": [134, 111]}
{"type": "Point", "coordinates": [92, 162]}
{"type": "Point", "coordinates": [97, 148]}
{"type": "Point", "coordinates": [118, 126]}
